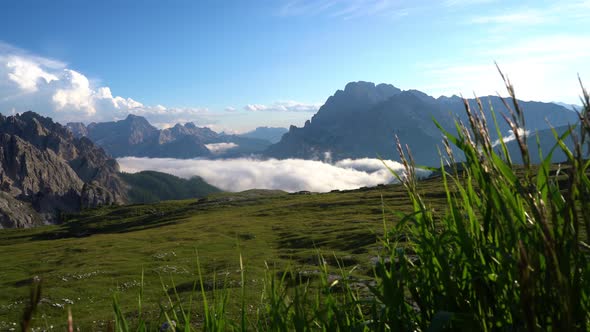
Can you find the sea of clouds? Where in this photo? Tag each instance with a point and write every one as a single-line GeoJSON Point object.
{"type": "Point", "coordinates": [289, 174]}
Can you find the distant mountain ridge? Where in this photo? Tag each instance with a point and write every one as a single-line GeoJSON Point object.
{"type": "Point", "coordinates": [359, 121]}
{"type": "Point", "coordinates": [362, 120]}
{"type": "Point", "coordinates": [271, 134]}
{"type": "Point", "coordinates": [135, 136]}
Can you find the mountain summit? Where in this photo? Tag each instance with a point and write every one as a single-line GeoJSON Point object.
{"type": "Point", "coordinates": [363, 119]}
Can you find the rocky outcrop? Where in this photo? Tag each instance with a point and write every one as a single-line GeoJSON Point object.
{"type": "Point", "coordinates": [17, 214]}
{"type": "Point", "coordinates": [94, 195]}
{"type": "Point", "coordinates": [27, 170]}
{"type": "Point", "coordinates": [48, 172]}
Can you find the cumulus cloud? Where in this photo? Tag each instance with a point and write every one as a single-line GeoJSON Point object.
{"type": "Point", "coordinates": [283, 106]}
{"type": "Point", "coordinates": [30, 82]}
{"type": "Point", "coordinates": [51, 88]}
{"type": "Point", "coordinates": [26, 73]}
{"type": "Point", "coordinates": [288, 174]}
{"type": "Point", "coordinates": [220, 147]}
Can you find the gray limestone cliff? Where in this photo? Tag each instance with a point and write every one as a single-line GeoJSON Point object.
{"type": "Point", "coordinates": [45, 171]}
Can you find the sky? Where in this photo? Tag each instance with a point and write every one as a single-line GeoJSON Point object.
{"type": "Point", "coordinates": [236, 65]}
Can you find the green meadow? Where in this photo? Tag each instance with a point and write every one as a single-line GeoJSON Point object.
{"type": "Point", "coordinates": [98, 253]}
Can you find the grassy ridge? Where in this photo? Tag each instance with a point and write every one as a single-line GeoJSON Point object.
{"type": "Point", "coordinates": [151, 186]}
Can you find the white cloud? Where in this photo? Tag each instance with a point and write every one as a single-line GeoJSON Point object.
{"type": "Point", "coordinates": [288, 174]}
{"type": "Point", "coordinates": [30, 82]}
{"type": "Point", "coordinates": [76, 96]}
{"type": "Point", "coordinates": [51, 88]}
{"type": "Point", "coordinates": [220, 147]}
{"type": "Point", "coordinates": [26, 74]}
{"type": "Point", "coordinates": [283, 106]}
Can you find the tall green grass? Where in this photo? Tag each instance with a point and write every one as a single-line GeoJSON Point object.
{"type": "Point", "coordinates": [510, 253]}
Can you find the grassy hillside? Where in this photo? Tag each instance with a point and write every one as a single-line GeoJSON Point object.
{"type": "Point", "coordinates": [486, 246]}
{"type": "Point", "coordinates": [151, 186]}
{"type": "Point", "coordinates": [85, 261]}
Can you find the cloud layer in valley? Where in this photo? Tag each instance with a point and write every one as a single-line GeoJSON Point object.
{"type": "Point", "coordinates": [289, 174]}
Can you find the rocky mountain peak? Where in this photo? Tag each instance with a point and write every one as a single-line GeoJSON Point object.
{"type": "Point", "coordinates": [138, 124]}
{"type": "Point", "coordinates": [363, 119]}
{"type": "Point", "coordinates": [46, 169]}
{"type": "Point", "coordinates": [370, 92]}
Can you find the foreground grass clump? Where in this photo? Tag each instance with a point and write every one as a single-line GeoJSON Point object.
{"type": "Point", "coordinates": [511, 253]}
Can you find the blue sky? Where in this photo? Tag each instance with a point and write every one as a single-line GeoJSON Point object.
{"type": "Point", "coordinates": [235, 65]}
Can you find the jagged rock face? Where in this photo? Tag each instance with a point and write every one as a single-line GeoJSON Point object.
{"type": "Point", "coordinates": [26, 170]}
{"type": "Point", "coordinates": [205, 135]}
{"type": "Point", "coordinates": [363, 119]}
{"type": "Point", "coordinates": [49, 171]}
{"type": "Point", "coordinates": [94, 195]}
{"type": "Point", "coordinates": [17, 214]}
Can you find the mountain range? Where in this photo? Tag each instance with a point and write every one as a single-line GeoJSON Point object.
{"type": "Point", "coordinates": [362, 120]}
{"type": "Point", "coordinates": [135, 136]}
{"type": "Point", "coordinates": [46, 172]}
